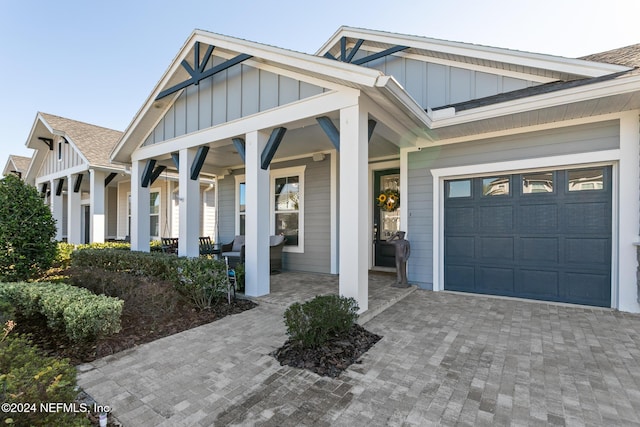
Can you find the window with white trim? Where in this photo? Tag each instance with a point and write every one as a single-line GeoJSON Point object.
{"type": "Point", "coordinates": [286, 206]}
{"type": "Point", "coordinates": [154, 214]}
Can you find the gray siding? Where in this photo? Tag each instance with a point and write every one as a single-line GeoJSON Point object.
{"type": "Point", "coordinates": [434, 85]}
{"type": "Point", "coordinates": [317, 243]}
{"type": "Point", "coordinates": [51, 164]}
{"type": "Point", "coordinates": [591, 137]}
{"type": "Point", "coordinates": [237, 92]}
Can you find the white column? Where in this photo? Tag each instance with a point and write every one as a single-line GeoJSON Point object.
{"type": "Point", "coordinates": [354, 197]}
{"type": "Point", "coordinates": [56, 207]}
{"type": "Point", "coordinates": [97, 207]}
{"type": "Point", "coordinates": [189, 206]}
{"type": "Point", "coordinates": [629, 212]}
{"type": "Point", "coordinates": [140, 210]}
{"type": "Point", "coordinates": [74, 212]}
{"type": "Point", "coordinates": [256, 218]}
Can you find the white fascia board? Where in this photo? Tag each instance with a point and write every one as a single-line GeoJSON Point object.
{"type": "Point", "coordinates": [526, 59]}
{"type": "Point", "coordinates": [394, 92]}
{"type": "Point", "coordinates": [560, 97]}
{"type": "Point", "coordinates": [62, 174]}
{"type": "Point", "coordinates": [320, 66]}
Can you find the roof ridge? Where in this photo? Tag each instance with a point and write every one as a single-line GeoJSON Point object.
{"type": "Point", "coordinates": [78, 121]}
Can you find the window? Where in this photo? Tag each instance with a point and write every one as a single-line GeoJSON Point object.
{"type": "Point", "coordinates": [59, 150]}
{"type": "Point", "coordinates": [154, 214]}
{"type": "Point", "coordinates": [586, 179]}
{"type": "Point", "coordinates": [538, 182]}
{"type": "Point", "coordinates": [458, 189]}
{"type": "Point", "coordinates": [286, 208]}
{"type": "Point", "coordinates": [495, 186]}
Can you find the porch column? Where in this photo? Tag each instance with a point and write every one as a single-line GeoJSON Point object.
{"type": "Point", "coordinates": [629, 214]}
{"type": "Point", "coordinates": [140, 210]}
{"type": "Point", "coordinates": [97, 207]}
{"type": "Point", "coordinates": [189, 206]}
{"type": "Point", "coordinates": [256, 217]}
{"type": "Point", "coordinates": [74, 213]}
{"type": "Point", "coordinates": [354, 191]}
{"type": "Point", "coordinates": [55, 204]}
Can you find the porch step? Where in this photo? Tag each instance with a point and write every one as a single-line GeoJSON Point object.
{"type": "Point", "coordinates": [385, 303]}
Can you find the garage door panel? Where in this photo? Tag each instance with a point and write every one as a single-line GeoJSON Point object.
{"type": "Point", "coordinates": [588, 217]}
{"type": "Point", "coordinates": [460, 219]}
{"type": "Point", "coordinates": [460, 278]}
{"type": "Point", "coordinates": [498, 280]}
{"type": "Point", "coordinates": [551, 242]}
{"type": "Point", "coordinates": [538, 283]}
{"type": "Point", "coordinates": [460, 247]}
{"type": "Point", "coordinates": [587, 288]}
{"type": "Point", "coordinates": [496, 248]}
{"type": "Point", "coordinates": [541, 218]}
{"type": "Point", "coordinates": [496, 218]}
{"type": "Point", "coordinates": [588, 251]}
{"type": "Point", "coordinates": [540, 249]}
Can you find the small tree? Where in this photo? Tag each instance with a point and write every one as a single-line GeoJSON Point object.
{"type": "Point", "coordinates": [27, 231]}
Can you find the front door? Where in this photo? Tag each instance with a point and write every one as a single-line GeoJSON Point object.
{"type": "Point", "coordinates": [86, 224]}
{"type": "Point", "coordinates": [386, 215]}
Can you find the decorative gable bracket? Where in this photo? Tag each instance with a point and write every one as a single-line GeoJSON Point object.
{"type": "Point", "coordinates": [198, 72]}
{"type": "Point", "coordinates": [349, 58]}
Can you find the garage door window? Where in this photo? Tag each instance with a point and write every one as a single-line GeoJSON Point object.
{"type": "Point", "coordinates": [539, 182]}
{"type": "Point", "coordinates": [495, 186]}
{"type": "Point", "coordinates": [586, 179]}
{"type": "Point", "coordinates": [458, 189]}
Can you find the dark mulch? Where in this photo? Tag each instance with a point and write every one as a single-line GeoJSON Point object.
{"type": "Point", "coordinates": [152, 310]}
{"type": "Point", "coordinates": [333, 357]}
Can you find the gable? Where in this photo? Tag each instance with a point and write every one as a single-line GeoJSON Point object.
{"type": "Point", "coordinates": [239, 91]}
{"type": "Point", "coordinates": [63, 156]}
{"type": "Point", "coordinates": [434, 84]}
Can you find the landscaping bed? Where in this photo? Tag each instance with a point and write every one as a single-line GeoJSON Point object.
{"type": "Point", "coordinates": [152, 309]}
{"type": "Point", "coordinates": [331, 358]}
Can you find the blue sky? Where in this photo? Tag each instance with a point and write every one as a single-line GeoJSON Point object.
{"type": "Point", "coordinates": [98, 61]}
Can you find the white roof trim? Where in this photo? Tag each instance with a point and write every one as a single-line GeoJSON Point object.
{"type": "Point", "coordinates": [535, 102]}
{"type": "Point", "coordinates": [525, 59]}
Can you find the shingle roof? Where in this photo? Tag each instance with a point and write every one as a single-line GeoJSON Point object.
{"type": "Point", "coordinates": [628, 56]}
{"type": "Point", "coordinates": [94, 142]}
{"type": "Point", "coordinates": [21, 163]}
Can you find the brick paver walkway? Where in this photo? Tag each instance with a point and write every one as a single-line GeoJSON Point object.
{"type": "Point", "coordinates": [445, 359]}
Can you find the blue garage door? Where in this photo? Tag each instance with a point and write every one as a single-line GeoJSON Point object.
{"type": "Point", "coordinates": [542, 235]}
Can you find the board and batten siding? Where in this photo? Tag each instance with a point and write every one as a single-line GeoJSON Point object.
{"type": "Point", "coordinates": [435, 85]}
{"type": "Point", "coordinates": [555, 142]}
{"type": "Point", "coordinates": [317, 228]}
{"type": "Point", "coordinates": [51, 164]}
{"type": "Point", "coordinates": [240, 91]}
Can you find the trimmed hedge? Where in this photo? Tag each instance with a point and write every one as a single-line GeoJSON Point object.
{"type": "Point", "coordinates": [80, 314]}
{"type": "Point", "coordinates": [139, 263]}
{"type": "Point", "coordinates": [65, 250]}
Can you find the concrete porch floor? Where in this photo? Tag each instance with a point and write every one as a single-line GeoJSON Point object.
{"type": "Point", "coordinates": [290, 287]}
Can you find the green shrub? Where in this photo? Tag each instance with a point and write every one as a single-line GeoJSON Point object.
{"type": "Point", "coordinates": [77, 312]}
{"type": "Point", "coordinates": [311, 324]}
{"type": "Point", "coordinates": [156, 265]}
{"type": "Point", "coordinates": [27, 231]}
{"type": "Point", "coordinates": [27, 377]}
{"type": "Point", "coordinates": [63, 257]}
{"type": "Point", "coordinates": [204, 281]}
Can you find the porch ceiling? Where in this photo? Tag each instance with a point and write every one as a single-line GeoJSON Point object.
{"type": "Point", "coordinates": [306, 138]}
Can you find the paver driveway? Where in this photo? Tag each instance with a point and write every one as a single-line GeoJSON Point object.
{"type": "Point", "coordinates": [445, 359]}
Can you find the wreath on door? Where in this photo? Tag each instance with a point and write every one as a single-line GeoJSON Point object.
{"type": "Point", "coordinates": [388, 200]}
